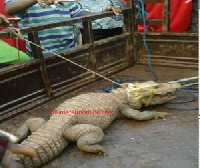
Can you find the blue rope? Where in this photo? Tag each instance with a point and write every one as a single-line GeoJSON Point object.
{"type": "Point", "coordinates": [175, 104]}
{"type": "Point", "coordinates": [142, 13]}
{"type": "Point", "coordinates": [120, 81]}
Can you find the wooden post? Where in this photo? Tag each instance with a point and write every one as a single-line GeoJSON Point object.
{"type": "Point", "coordinates": [88, 38]}
{"type": "Point", "coordinates": [37, 54]}
{"type": "Point", "coordinates": [165, 13]}
{"type": "Point", "coordinates": [128, 29]}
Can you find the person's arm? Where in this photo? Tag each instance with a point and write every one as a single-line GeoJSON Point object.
{"type": "Point", "coordinates": [116, 10]}
{"type": "Point", "coordinates": [3, 20]}
{"type": "Point", "coordinates": [17, 6]}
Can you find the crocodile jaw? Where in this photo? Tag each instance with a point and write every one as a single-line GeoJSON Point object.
{"type": "Point", "coordinates": [151, 93]}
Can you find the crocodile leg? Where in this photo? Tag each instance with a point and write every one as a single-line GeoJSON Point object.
{"type": "Point", "coordinates": [28, 127]}
{"type": "Point", "coordinates": [130, 113]}
{"type": "Point", "coordinates": [87, 137]}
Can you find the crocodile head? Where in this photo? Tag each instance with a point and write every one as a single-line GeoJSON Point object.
{"type": "Point", "coordinates": [150, 93]}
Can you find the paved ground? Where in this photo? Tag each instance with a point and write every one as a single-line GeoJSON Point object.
{"type": "Point", "coordinates": [167, 143]}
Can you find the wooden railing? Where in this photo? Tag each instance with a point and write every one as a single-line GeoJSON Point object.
{"type": "Point", "coordinates": [165, 15]}
{"type": "Point", "coordinates": [178, 50]}
{"type": "Point", "coordinates": [29, 84]}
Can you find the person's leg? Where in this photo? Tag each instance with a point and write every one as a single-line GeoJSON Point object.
{"type": "Point", "coordinates": [99, 34]}
{"type": "Point", "coordinates": [113, 32]}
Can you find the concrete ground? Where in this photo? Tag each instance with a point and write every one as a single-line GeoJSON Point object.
{"type": "Point", "coordinates": [164, 143]}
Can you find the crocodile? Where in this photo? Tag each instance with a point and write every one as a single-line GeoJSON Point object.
{"type": "Point", "coordinates": [83, 118]}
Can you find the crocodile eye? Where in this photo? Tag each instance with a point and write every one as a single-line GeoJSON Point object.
{"type": "Point", "coordinates": [169, 93]}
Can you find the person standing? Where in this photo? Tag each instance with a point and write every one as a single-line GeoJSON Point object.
{"type": "Point", "coordinates": [105, 27]}
{"type": "Point", "coordinates": [33, 12]}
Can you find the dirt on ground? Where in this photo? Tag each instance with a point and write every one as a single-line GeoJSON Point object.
{"type": "Point", "coordinates": [164, 143]}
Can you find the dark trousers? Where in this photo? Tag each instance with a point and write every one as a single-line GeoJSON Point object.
{"type": "Point", "coordinates": [99, 34]}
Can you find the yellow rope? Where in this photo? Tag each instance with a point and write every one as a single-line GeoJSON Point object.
{"type": "Point", "coordinates": [150, 98]}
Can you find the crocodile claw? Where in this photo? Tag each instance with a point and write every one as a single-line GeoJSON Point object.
{"type": "Point", "coordinates": [102, 152]}
{"type": "Point", "coordinates": [161, 115]}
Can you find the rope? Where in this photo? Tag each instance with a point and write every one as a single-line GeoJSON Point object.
{"type": "Point", "coordinates": [17, 45]}
{"type": "Point", "coordinates": [186, 85]}
{"type": "Point", "coordinates": [140, 6]}
{"type": "Point", "coordinates": [19, 35]}
{"type": "Point", "coordinates": [191, 93]}
{"type": "Point", "coordinates": [184, 80]}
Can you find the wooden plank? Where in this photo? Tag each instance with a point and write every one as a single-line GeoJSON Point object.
{"type": "Point", "coordinates": [172, 62]}
{"type": "Point", "coordinates": [114, 39]}
{"type": "Point", "coordinates": [172, 41]}
{"type": "Point", "coordinates": [113, 64]}
{"type": "Point", "coordinates": [170, 65]}
{"type": "Point", "coordinates": [152, 1]}
{"type": "Point", "coordinates": [170, 34]}
{"type": "Point", "coordinates": [150, 22]}
{"type": "Point", "coordinates": [159, 57]}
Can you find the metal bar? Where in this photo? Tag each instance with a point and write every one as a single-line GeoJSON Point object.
{"type": "Point", "coordinates": [37, 52]}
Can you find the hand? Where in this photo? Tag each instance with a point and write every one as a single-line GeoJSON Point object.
{"type": "Point", "coordinates": [42, 3]}
{"type": "Point", "coordinates": [6, 157]}
{"type": "Point", "coordinates": [8, 160]}
{"type": "Point", "coordinates": [19, 149]}
{"type": "Point", "coordinates": [3, 20]}
{"type": "Point", "coordinates": [115, 9]}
